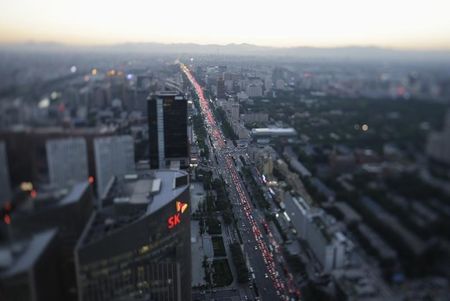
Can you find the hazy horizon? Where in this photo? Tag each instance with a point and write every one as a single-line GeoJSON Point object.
{"type": "Point", "coordinates": [125, 42]}
{"type": "Point", "coordinates": [405, 25]}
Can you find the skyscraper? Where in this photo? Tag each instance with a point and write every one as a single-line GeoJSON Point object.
{"type": "Point", "coordinates": [67, 161]}
{"type": "Point", "coordinates": [30, 268]}
{"type": "Point", "coordinates": [137, 247]}
{"type": "Point", "coordinates": [68, 210]}
{"type": "Point", "coordinates": [5, 188]}
{"type": "Point", "coordinates": [26, 149]}
{"type": "Point", "coordinates": [167, 127]}
{"type": "Point", "coordinates": [114, 156]}
{"type": "Point", "coordinates": [220, 88]}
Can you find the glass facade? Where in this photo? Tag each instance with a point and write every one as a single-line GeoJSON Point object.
{"type": "Point", "coordinates": [167, 120]}
{"type": "Point", "coordinates": [144, 260]}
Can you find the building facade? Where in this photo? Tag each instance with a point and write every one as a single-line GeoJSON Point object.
{"type": "Point", "coordinates": [319, 231]}
{"type": "Point", "coordinates": [27, 153]}
{"type": "Point", "coordinates": [67, 161]}
{"type": "Point", "coordinates": [114, 156]}
{"type": "Point", "coordinates": [67, 211]}
{"type": "Point", "coordinates": [168, 130]}
{"type": "Point", "coordinates": [5, 186]}
{"type": "Point", "coordinates": [30, 270]}
{"type": "Point", "coordinates": [138, 248]}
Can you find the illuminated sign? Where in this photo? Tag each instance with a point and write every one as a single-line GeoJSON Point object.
{"type": "Point", "coordinates": [181, 207]}
{"type": "Point", "coordinates": [176, 218]}
{"type": "Point", "coordinates": [26, 186]}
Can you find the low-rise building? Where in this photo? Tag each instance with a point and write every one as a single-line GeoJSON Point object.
{"type": "Point", "coordinates": [266, 135]}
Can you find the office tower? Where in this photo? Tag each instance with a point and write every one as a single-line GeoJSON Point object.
{"type": "Point", "coordinates": [138, 247]}
{"type": "Point", "coordinates": [26, 149]}
{"type": "Point", "coordinates": [141, 90]}
{"type": "Point", "coordinates": [220, 88]}
{"type": "Point", "coordinates": [114, 156]}
{"type": "Point", "coordinates": [66, 210]}
{"type": "Point", "coordinates": [167, 127]}
{"type": "Point", "coordinates": [5, 186]}
{"type": "Point", "coordinates": [67, 161]}
{"type": "Point", "coordinates": [29, 268]}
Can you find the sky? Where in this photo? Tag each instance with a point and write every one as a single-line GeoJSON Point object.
{"type": "Point", "coordinates": [411, 24]}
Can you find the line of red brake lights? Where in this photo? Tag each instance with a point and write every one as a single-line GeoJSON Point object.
{"type": "Point", "coordinates": [243, 198]}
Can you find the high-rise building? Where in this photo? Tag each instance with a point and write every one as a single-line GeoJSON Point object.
{"type": "Point", "coordinates": [114, 156]}
{"type": "Point", "coordinates": [68, 210]}
{"type": "Point", "coordinates": [138, 246]}
{"type": "Point", "coordinates": [168, 127]}
{"type": "Point", "coordinates": [29, 268]}
{"type": "Point", "coordinates": [220, 88]}
{"type": "Point", "coordinates": [27, 154]}
{"type": "Point", "coordinates": [5, 186]}
{"type": "Point", "coordinates": [67, 161]}
{"type": "Point", "coordinates": [254, 90]}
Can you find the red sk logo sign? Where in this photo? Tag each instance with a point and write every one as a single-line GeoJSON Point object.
{"type": "Point", "coordinates": [176, 218]}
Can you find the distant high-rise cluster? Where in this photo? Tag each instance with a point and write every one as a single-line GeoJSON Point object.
{"type": "Point", "coordinates": [83, 219]}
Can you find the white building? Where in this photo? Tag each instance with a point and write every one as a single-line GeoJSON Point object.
{"type": "Point", "coordinates": [67, 161]}
{"type": "Point", "coordinates": [242, 96]}
{"type": "Point", "coordinates": [254, 90]}
{"type": "Point", "coordinates": [114, 156]}
{"type": "Point", "coordinates": [329, 247]}
{"type": "Point", "coordinates": [5, 186]}
{"type": "Point", "coordinates": [268, 84]}
{"type": "Point", "coordinates": [229, 85]}
{"type": "Point", "coordinates": [313, 225]}
{"type": "Point", "coordinates": [255, 118]}
{"type": "Point", "coordinates": [233, 111]}
{"type": "Point", "coordinates": [280, 84]}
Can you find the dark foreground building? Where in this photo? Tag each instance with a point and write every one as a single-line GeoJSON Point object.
{"type": "Point", "coordinates": [29, 268]}
{"type": "Point", "coordinates": [27, 154]}
{"type": "Point", "coordinates": [66, 210]}
{"type": "Point", "coordinates": [168, 130]}
{"type": "Point", "coordinates": [137, 247]}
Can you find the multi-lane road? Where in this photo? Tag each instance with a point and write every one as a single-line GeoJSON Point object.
{"type": "Point", "coordinates": [273, 280]}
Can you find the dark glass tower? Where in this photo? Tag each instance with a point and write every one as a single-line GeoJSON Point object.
{"type": "Point", "coordinates": [167, 127]}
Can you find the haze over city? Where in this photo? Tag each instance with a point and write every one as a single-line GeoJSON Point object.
{"type": "Point", "coordinates": [392, 24]}
{"type": "Point", "coordinates": [169, 150]}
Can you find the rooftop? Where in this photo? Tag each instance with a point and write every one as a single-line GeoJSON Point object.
{"type": "Point", "coordinates": [167, 93]}
{"type": "Point", "coordinates": [20, 256]}
{"type": "Point", "coordinates": [357, 285]}
{"type": "Point", "coordinates": [48, 198]}
{"type": "Point", "coordinates": [59, 130]}
{"type": "Point", "coordinates": [274, 131]}
{"type": "Point", "coordinates": [136, 195]}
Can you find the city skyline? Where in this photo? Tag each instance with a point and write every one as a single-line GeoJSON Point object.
{"type": "Point", "coordinates": [399, 25]}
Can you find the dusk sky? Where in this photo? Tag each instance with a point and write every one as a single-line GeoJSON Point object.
{"type": "Point", "coordinates": [386, 23]}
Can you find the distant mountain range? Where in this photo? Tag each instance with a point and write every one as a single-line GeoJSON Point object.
{"type": "Point", "coordinates": [349, 53]}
